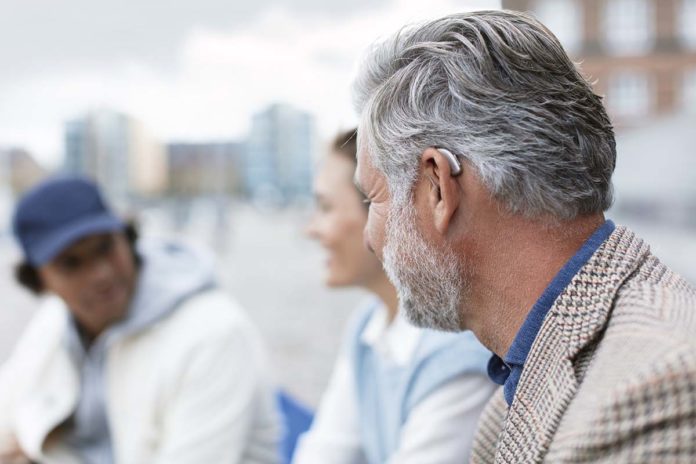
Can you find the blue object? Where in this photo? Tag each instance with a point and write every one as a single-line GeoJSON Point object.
{"type": "Point", "coordinates": [57, 213]}
{"type": "Point", "coordinates": [296, 419]}
{"type": "Point", "coordinates": [508, 372]}
{"type": "Point", "coordinates": [387, 392]}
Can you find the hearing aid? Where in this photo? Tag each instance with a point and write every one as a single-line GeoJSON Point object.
{"type": "Point", "coordinates": [455, 165]}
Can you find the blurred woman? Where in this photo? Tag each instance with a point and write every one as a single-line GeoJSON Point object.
{"type": "Point", "coordinates": [398, 394]}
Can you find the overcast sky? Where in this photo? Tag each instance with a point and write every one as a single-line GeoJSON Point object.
{"type": "Point", "coordinates": [187, 70]}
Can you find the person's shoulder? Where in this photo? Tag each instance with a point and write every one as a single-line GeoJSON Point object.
{"type": "Point", "coordinates": [442, 357]}
{"type": "Point", "coordinates": [45, 329]}
{"type": "Point", "coordinates": [643, 368]}
{"type": "Point", "coordinates": [639, 347]}
{"type": "Point", "coordinates": [209, 313]}
{"type": "Point", "coordinates": [51, 317]}
{"type": "Point", "coordinates": [367, 311]}
{"type": "Point", "coordinates": [657, 300]}
{"type": "Point", "coordinates": [463, 345]}
{"type": "Point", "coordinates": [636, 399]}
{"type": "Point", "coordinates": [652, 320]}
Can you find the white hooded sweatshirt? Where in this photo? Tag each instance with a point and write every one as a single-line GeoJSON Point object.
{"type": "Point", "coordinates": [181, 380]}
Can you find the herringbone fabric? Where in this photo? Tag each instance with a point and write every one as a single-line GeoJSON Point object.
{"type": "Point", "coordinates": [611, 376]}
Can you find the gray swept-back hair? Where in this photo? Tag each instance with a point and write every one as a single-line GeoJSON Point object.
{"type": "Point", "coordinates": [496, 88]}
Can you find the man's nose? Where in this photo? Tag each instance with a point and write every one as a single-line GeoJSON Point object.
{"type": "Point", "coordinates": [101, 270]}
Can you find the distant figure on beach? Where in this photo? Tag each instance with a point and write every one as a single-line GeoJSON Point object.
{"type": "Point", "coordinates": [398, 393]}
{"type": "Point", "coordinates": [487, 161]}
{"type": "Point", "coordinates": [136, 355]}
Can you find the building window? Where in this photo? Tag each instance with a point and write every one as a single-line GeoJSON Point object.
{"type": "Point", "coordinates": [687, 23]}
{"type": "Point", "coordinates": [629, 95]}
{"type": "Point", "coordinates": [689, 92]}
{"type": "Point", "coordinates": [564, 18]}
{"type": "Point", "coordinates": [629, 26]}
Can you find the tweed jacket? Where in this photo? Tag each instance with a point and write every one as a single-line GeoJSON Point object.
{"type": "Point", "coordinates": [611, 376]}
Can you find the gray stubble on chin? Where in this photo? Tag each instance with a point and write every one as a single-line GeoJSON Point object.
{"type": "Point", "coordinates": [429, 281]}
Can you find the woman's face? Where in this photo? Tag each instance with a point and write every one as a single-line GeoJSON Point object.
{"type": "Point", "coordinates": [338, 224]}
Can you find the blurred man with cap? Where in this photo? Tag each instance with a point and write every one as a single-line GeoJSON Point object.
{"type": "Point", "coordinates": [136, 356]}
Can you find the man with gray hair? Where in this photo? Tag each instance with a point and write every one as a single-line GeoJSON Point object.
{"type": "Point", "coordinates": [487, 161]}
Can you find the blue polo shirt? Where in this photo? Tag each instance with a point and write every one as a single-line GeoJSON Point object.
{"type": "Point", "coordinates": [507, 371]}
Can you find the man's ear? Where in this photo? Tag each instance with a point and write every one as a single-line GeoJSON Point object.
{"type": "Point", "coordinates": [444, 193]}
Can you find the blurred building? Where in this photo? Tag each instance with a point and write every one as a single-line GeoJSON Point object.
{"type": "Point", "coordinates": [204, 169]}
{"type": "Point", "coordinates": [278, 161]}
{"type": "Point", "coordinates": [116, 151]}
{"type": "Point", "coordinates": [19, 170]}
{"type": "Point", "coordinates": [641, 53]}
{"type": "Point", "coordinates": [655, 176]}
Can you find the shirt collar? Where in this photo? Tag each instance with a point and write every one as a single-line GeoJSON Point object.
{"type": "Point", "coordinates": [507, 372]}
{"type": "Point", "coordinates": [396, 341]}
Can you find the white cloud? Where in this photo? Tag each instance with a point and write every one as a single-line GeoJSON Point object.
{"type": "Point", "coordinates": [221, 78]}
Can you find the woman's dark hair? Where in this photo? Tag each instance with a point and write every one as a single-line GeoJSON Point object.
{"type": "Point", "coordinates": [28, 276]}
{"type": "Point", "coordinates": [346, 143]}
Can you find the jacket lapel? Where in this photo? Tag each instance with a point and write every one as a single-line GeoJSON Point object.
{"type": "Point", "coordinates": [577, 318]}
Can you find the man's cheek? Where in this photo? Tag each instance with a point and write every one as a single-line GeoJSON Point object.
{"type": "Point", "coordinates": [375, 228]}
{"type": "Point", "coordinates": [376, 241]}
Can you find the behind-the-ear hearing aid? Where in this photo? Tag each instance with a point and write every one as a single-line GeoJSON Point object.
{"type": "Point", "coordinates": [455, 165]}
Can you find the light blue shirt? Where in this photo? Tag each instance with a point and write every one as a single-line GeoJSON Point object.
{"type": "Point", "coordinates": [387, 392]}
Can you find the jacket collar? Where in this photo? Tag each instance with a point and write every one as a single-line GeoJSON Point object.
{"type": "Point", "coordinates": [576, 319]}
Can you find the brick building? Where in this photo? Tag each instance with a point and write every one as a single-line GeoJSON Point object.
{"type": "Point", "coordinates": [641, 54]}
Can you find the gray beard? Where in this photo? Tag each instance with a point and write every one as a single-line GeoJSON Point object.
{"type": "Point", "coordinates": [429, 281]}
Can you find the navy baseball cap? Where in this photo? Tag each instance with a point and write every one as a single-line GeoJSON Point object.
{"type": "Point", "coordinates": [57, 213]}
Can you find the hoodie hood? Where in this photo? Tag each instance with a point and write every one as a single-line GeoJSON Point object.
{"type": "Point", "coordinates": [171, 272]}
